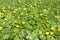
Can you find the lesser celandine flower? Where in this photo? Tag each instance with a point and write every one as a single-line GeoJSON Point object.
{"type": "Point", "coordinates": [40, 32]}
{"type": "Point", "coordinates": [14, 11]}
{"type": "Point", "coordinates": [21, 13]}
{"type": "Point", "coordinates": [0, 27]}
{"type": "Point", "coordinates": [23, 22]}
{"type": "Point", "coordinates": [15, 21]}
{"type": "Point", "coordinates": [17, 25]}
{"type": "Point", "coordinates": [3, 7]}
{"type": "Point", "coordinates": [56, 16]}
{"type": "Point", "coordinates": [46, 18]}
{"type": "Point", "coordinates": [51, 33]}
{"type": "Point", "coordinates": [52, 28]}
{"type": "Point", "coordinates": [19, 17]}
{"type": "Point", "coordinates": [35, 4]}
{"type": "Point", "coordinates": [4, 10]}
{"type": "Point", "coordinates": [32, 16]}
{"type": "Point", "coordinates": [5, 19]}
{"type": "Point", "coordinates": [24, 8]}
{"type": "Point", "coordinates": [31, 6]}
{"type": "Point", "coordinates": [44, 10]}
{"type": "Point", "coordinates": [19, 8]}
{"type": "Point", "coordinates": [48, 8]}
{"type": "Point", "coordinates": [47, 33]}
{"type": "Point", "coordinates": [41, 14]}
{"type": "Point", "coordinates": [26, 14]}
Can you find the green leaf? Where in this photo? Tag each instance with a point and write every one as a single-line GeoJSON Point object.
{"type": "Point", "coordinates": [6, 36]}
{"type": "Point", "coordinates": [16, 38]}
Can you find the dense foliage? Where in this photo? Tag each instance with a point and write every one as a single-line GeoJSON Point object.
{"type": "Point", "coordinates": [29, 19]}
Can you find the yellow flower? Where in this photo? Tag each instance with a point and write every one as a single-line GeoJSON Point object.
{"type": "Point", "coordinates": [47, 33]}
{"type": "Point", "coordinates": [44, 10]}
{"type": "Point", "coordinates": [23, 22]}
{"type": "Point", "coordinates": [4, 10]}
{"type": "Point", "coordinates": [51, 33]}
{"type": "Point", "coordinates": [17, 25]}
{"type": "Point", "coordinates": [26, 14]}
{"type": "Point", "coordinates": [19, 17]}
{"type": "Point", "coordinates": [56, 16]}
{"type": "Point", "coordinates": [3, 7]}
{"type": "Point", "coordinates": [35, 4]}
{"type": "Point", "coordinates": [52, 28]}
{"type": "Point", "coordinates": [5, 19]}
{"type": "Point", "coordinates": [14, 11]}
{"type": "Point", "coordinates": [32, 16]}
{"type": "Point", "coordinates": [40, 32]}
{"type": "Point", "coordinates": [31, 6]}
{"type": "Point", "coordinates": [15, 21]}
{"type": "Point", "coordinates": [25, 9]}
{"type": "Point", "coordinates": [41, 14]}
{"type": "Point", "coordinates": [0, 27]}
{"type": "Point", "coordinates": [59, 29]}
{"type": "Point", "coordinates": [19, 8]}
{"type": "Point", "coordinates": [21, 14]}
{"type": "Point", "coordinates": [46, 18]}
{"type": "Point", "coordinates": [48, 8]}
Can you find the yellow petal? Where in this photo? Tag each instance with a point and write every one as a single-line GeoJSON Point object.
{"type": "Point", "coordinates": [52, 28]}
{"type": "Point", "coordinates": [0, 27]}
{"type": "Point", "coordinates": [17, 25]}
{"type": "Point", "coordinates": [47, 33]}
{"type": "Point", "coordinates": [40, 32]}
{"type": "Point", "coordinates": [51, 33]}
